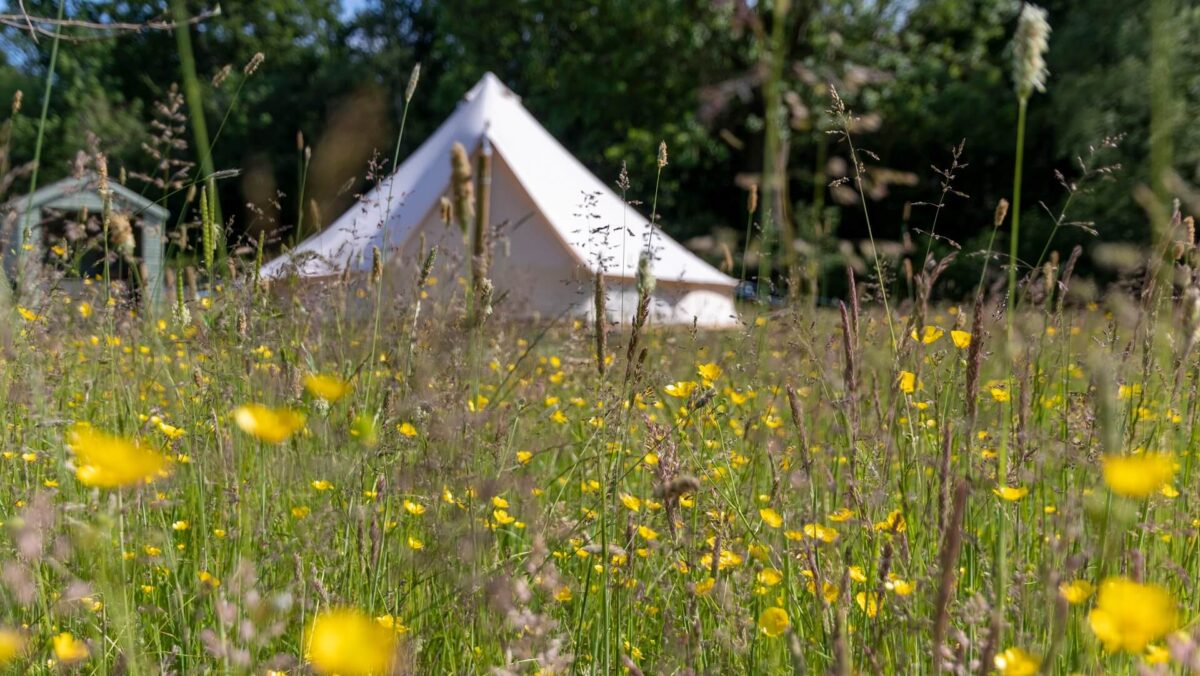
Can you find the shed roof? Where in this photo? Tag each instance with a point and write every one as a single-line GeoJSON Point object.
{"type": "Point", "coordinates": [47, 196]}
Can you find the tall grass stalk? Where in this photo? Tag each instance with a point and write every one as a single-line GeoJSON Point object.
{"type": "Point", "coordinates": [41, 135]}
{"type": "Point", "coordinates": [1002, 534]}
{"type": "Point", "coordinates": [191, 90]}
{"type": "Point", "coordinates": [381, 252]}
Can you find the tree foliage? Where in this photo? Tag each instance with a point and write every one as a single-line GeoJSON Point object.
{"type": "Point", "coordinates": [612, 78]}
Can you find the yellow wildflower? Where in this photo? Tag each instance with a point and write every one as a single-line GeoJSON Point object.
{"type": "Point", "coordinates": [819, 532]}
{"type": "Point", "coordinates": [769, 577]}
{"type": "Point", "coordinates": [1129, 616]}
{"type": "Point", "coordinates": [12, 644]}
{"type": "Point", "coordinates": [327, 387]}
{"type": "Point", "coordinates": [1076, 591]}
{"type": "Point", "coordinates": [929, 334]}
{"type": "Point", "coordinates": [1011, 493]}
{"type": "Point", "coordinates": [1138, 475]}
{"type": "Point", "coordinates": [681, 389]}
{"type": "Point", "coordinates": [771, 517]}
{"type": "Point", "coordinates": [894, 522]}
{"type": "Point", "coordinates": [107, 461]}
{"type": "Point", "coordinates": [69, 650]}
{"type": "Point", "coordinates": [708, 372]}
{"type": "Point", "coordinates": [1017, 662]}
{"type": "Point", "coordinates": [868, 602]}
{"type": "Point", "coordinates": [270, 425]}
{"type": "Point", "coordinates": [774, 621]}
{"type": "Point", "coordinates": [841, 515]}
{"type": "Point", "coordinates": [346, 641]}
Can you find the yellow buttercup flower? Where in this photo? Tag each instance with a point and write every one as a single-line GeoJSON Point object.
{"type": "Point", "coordinates": [346, 641]}
{"type": "Point", "coordinates": [907, 382]}
{"type": "Point", "coordinates": [273, 426]}
{"type": "Point", "coordinates": [647, 533]}
{"type": "Point", "coordinates": [708, 372]}
{"type": "Point", "coordinates": [1076, 591]}
{"type": "Point", "coordinates": [1017, 662]}
{"type": "Point", "coordinates": [829, 590]}
{"type": "Point", "coordinates": [771, 517]}
{"type": "Point", "coordinates": [330, 388]}
{"type": "Point", "coordinates": [769, 577]}
{"type": "Point", "coordinates": [69, 650]}
{"type": "Point", "coordinates": [840, 515]}
{"type": "Point", "coordinates": [929, 334]}
{"type": "Point", "coordinates": [681, 389]}
{"type": "Point", "coordinates": [727, 559]}
{"type": "Point", "coordinates": [894, 522]}
{"type": "Point", "coordinates": [962, 339]}
{"type": "Point", "coordinates": [1011, 493]}
{"type": "Point", "coordinates": [868, 602]}
{"type": "Point", "coordinates": [819, 532]}
{"type": "Point", "coordinates": [1138, 475]}
{"type": "Point", "coordinates": [391, 622]}
{"type": "Point", "coordinates": [1156, 654]}
{"type": "Point", "coordinates": [12, 644]}
{"type": "Point", "coordinates": [107, 461]}
{"type": "Point", "coordinates": [406, 429]}
{"type": "Point", "coordinates": [899, 585]}
{"type": "Point", "coordinates": [774, 621]}
{"type": "Point", "coordinates": [1129, 616]}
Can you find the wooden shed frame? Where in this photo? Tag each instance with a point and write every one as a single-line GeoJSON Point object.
{"type": "Point", "coordinates": [76, 194]}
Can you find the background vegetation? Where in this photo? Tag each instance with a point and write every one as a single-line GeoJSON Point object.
{"type": "Point", "coordinates": [611, 79]}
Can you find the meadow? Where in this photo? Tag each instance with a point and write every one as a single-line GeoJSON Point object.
{"type": "Point", "coordinates": [274, 483]}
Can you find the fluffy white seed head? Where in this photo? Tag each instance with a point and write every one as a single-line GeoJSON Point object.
{"type": "Point", "coordinates": [1029, 51]}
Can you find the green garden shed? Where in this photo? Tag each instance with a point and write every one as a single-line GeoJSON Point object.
{"type": "Point", "coordinates": [60, 225]}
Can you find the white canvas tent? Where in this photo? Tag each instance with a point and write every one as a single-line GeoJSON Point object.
{"type": "Point", "coordinates": [556, 224]}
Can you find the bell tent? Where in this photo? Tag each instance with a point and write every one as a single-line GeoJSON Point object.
{"type": "Point", "coordinates": [555, 225]}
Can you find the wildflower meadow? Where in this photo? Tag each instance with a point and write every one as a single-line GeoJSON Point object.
{"type": "Point", "coordinates": [388, 471]}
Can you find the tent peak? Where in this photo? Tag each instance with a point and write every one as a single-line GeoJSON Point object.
{"type": "Point", "coordinates": [490, 85]}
